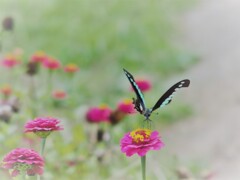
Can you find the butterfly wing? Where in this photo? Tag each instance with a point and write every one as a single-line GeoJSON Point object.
{"type": "Point", "coordinates": [166, 98]}
{"type": "Point", "coordinates": [139, 102]}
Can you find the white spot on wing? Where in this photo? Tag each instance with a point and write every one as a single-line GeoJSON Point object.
{"type": "Point", "coordinates": [171, 96]}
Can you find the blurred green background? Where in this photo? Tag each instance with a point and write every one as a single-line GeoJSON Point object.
{"type": "Point", "coordinates": [102, 37]}
{"type": "Point", "coordinates": [100, 32]}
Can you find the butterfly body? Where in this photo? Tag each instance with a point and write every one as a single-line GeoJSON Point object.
{"type": "Point", "coordinates": [165, 99]}
{"type": "Point", "coordinates": [145, 112]}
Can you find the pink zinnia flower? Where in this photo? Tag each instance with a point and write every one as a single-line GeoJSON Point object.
{"type": "Point", "coordinates": [98, 114]}
{"type": "Point", "coordinates": [71, 68]}
{"type": "Point", "coordinates": [38, 57]}
{"type": "Point", "coordinates": [23, 161]}
{"type": "Point", "coordinates": [10, 61]}
{"type": "Point", "coordinates": [59, 94]}
{"type": "Point", "coordinates": [126, 106]}
{"type": "Point", "coordinates": [140, 141]}
{"type": "Point", "coordinates": [144, 85]}
{"type": "Point", "coordinates": [51, 63]}
{"type": "Point", "coordinates": [43, 126]}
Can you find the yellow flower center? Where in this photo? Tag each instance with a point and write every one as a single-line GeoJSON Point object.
{"type": "Point", "coordinates": [140, 135]}
{"type": "Point", "coordinates": [72, 66]}
{"type": "Point", "coordinates": [10, 56]}
{"type": "Point", "coordinates": [40, 53]}
{"type": "Point", "coordinates": [127, 101]}
{"type": "Point", "coordinates": [103, 106]}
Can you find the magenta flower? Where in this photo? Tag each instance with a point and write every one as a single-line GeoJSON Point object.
{"type": "Point", "coordinates": [126, 106]}
{"type": "Point", "coordinates": [43, 126]}
{"type": "Point", "coordinates": [10, 61]}
{"type": "Point", "coordinates": [140, 141]}
{"type": "Point", "coordinates": [51, 63]}
{"type": "Point", "coordinates": [98, 114]}
{"type": "Point", "coordinates": [23, 161]}
{"type": "Point", "coordinates": [38, 57]}
{"type": "Point", "coordinates": [144, 85]}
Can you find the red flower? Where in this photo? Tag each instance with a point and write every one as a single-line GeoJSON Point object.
{"type": "Point", "coordinates": [38, 56]}
{"type": "Point", "coordinates": [51, 63]}
{"type": "Point", "coordinates": [6, 90]}
{"type": "Point", "coordinates": [43, 126]}
{"type": "Point", "coordinates": [140, 142]}
{"type": "Point", "coordinates": [59, 94]}
{"type": "Point", "coordinates": [126, 106]}
{"type": "Point", "coordinates": [144, 85]}
{"type": "Point", "coordinates": [71, 68]}
{"type": "Point", "coordinates": [98, 114]}
{"type": "Point", "coordinates": [23, 161]}
{"type": "Point", "coordinates": [10, 61]}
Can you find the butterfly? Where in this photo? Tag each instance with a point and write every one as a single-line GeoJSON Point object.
{"type": "Point", "coordinates": [165, 99]}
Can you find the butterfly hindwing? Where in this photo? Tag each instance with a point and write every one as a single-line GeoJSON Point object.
{"type": "Point", "coordinates": [166, 98]}
{"type": "Point", "coordinates": [139, 102]}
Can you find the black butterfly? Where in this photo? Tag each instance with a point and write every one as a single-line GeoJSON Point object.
{"type": "Point", "coordinates": [165, 99]}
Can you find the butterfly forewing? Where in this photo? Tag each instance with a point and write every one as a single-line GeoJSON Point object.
{"type": "Point", "coordinates": [139, 102]}
{"type": "Point", "coordinates": [166, 98]}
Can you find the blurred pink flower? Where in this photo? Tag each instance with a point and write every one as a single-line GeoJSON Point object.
{"type": "Point", "coordinates": [10, 61]}
{"type": "Point", "coordinates": [51, 63]}
{"type": "Point", "coordinates": [59, 94]}
{"type": "Point", "coordinates": [98, 114]}
{"type": "Point", "coordinates": [23, 161]}
{"type": "Point", "coordinates": [140, 141]}
{"type": "Point", "coordinates": [6, 90]}
{"type": "Point", "coordinates": [38, 56]}
{"type": "Point", "coordinates": [42, 126]}
{"type": "Point", "coordinates": [144, 85]}
{"type": "Point", "coordinates": [126, 106]}
{"type": "Point", "coordinates": [71, 68]}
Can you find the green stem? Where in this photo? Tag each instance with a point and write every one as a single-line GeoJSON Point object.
{"type": "Point", "coordinates": [42, 151]}
{"type": "Point", "coordinates": [38, 177]}
{"type": "Point", "coordinates": [50, 81]}
{"type": "Point", "coordinates": [32, 95]}
{"type": "Point", "coordinates": [43, 146]}
{"type": "Point", "coordinates": [143, 162]}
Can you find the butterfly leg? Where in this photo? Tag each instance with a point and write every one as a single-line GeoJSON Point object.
{"type": "Point", "coordinates": [148, 123]}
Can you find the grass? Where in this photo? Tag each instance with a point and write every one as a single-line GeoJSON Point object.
{"type": "Point", "coordinates": [94, 33]}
